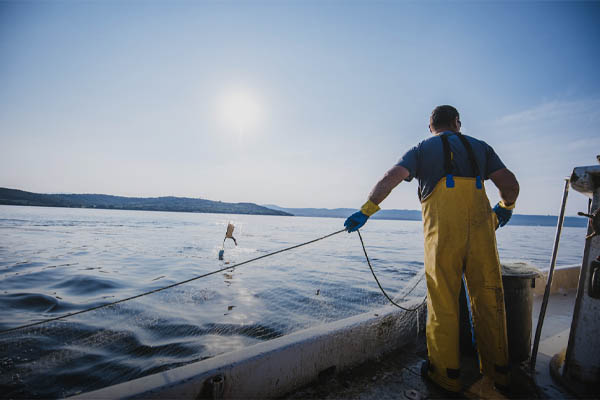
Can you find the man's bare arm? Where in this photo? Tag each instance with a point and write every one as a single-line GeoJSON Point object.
{"type": "Point", "coordinates": [507, 185]}
{"type": "Point", "coordinates": [390, 180]}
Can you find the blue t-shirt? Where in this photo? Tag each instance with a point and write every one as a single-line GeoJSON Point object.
{"type": "Point", "coordinates": [425, 161]}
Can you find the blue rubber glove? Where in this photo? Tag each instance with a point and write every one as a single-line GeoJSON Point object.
{"type": "Point", "coordinates": [503, 213]}
{"type": "Point", "coordinates": [355, 221]}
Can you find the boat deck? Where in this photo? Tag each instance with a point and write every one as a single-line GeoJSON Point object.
{"type": "Point", "coordinates": [397, 375]}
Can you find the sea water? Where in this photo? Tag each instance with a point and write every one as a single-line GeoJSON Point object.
{"type": "Point", "coordinates": [55, 261]}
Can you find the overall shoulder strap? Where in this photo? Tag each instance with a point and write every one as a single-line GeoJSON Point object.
{"type": "Point", "coordinates": [472, 160]}
{"type": "Point", "coordinates": [447, 161]}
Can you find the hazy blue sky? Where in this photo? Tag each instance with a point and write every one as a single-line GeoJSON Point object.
{"type": "Point", "coordinates": [300, 104]}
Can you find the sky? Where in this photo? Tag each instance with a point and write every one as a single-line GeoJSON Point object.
{"type": "Point", "coordinates": [294, 103]}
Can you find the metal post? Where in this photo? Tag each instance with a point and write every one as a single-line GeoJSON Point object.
{"type": "Point", "coordinates": [538, 330]}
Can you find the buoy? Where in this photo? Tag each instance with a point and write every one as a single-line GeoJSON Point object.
{"type": "Point", "coordinates": [229, 233]}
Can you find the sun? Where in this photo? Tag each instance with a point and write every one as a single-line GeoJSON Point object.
{"type": "Point", "coordinates": [240, 110]}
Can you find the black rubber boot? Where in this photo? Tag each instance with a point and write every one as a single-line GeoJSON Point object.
{"type": "Point", "coordinates": [447, 394]}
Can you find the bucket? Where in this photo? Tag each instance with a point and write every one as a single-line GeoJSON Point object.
{"type": "Point", "coordinates": [518, 280]}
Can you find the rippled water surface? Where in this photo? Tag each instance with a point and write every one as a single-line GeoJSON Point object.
{"type": "Point", "coordinates": [57, 260]}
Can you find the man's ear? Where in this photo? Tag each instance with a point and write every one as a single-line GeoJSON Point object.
{"type": "Point", "coordinates": [429, 126]}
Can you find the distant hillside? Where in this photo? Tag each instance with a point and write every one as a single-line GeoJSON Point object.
{"type": "Point", "coordinates": [414, 215]}
{"type": "Point", "coordinates": [181, 204]}
{"type": "Point", "coordinates": [547, 220]}
{"type": "Point", "coordinates": [186, 204]}
{"type": "Point", "coordinates": [410, 215]}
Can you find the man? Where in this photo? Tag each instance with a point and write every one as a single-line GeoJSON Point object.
{"type": "Point", "coordinates": [459, 228]}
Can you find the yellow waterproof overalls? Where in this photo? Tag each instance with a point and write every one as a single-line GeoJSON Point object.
{"type": "Point", "coordinates": [459, 229]}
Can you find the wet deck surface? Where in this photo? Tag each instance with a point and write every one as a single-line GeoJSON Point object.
{"type": "Point", "coordinates": [397, 375]}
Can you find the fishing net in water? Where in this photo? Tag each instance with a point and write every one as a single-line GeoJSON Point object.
{"type": "Point", "coordinates": [235, 308]}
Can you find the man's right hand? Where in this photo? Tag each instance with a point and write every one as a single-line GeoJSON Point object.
{"type": "Point", "coordinates": [355, 221]}
{"type": "Point", "coordinates": [358, 219]}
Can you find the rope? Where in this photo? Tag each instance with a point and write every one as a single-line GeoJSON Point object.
{"type": "Point", "coordinates": [167, 287]}
{"type": "Point", "coordinates": [208, 274]}
{"type": "Point", "coordinates": [379, 284]}
{"type": "Point", "coordinates": [421, 276]}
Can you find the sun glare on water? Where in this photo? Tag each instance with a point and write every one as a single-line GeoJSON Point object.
{"type": "Point", "coordinates": [240, 111]}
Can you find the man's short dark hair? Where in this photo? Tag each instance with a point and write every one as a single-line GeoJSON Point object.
{"type": "Point", "coordinates": [443, 116]}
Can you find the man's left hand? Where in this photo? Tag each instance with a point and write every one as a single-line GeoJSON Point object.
{"type": "Point", "coordinates": [503, 212]}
